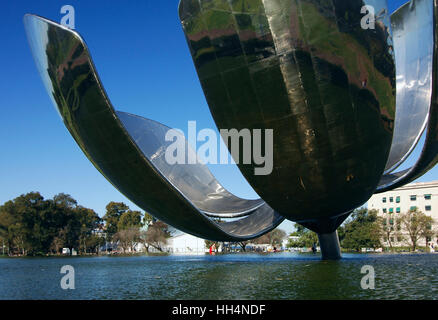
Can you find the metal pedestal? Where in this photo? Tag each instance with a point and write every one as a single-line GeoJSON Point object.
{"type": "Point", "coordinates": [330, 247]}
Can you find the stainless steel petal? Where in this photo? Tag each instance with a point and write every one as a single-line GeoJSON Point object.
{"type": "Point", "coordinates": [195, 181]}
{"type": "Point", "coordinates": [309, 71]}
{"type": "Point", "coordinates": [412, 27]}
{"type": "Point", "coordinates": [425, 13]}
{"type": "Point", "coordinates": [72, 82]}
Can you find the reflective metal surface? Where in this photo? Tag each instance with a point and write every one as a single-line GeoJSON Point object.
{"type": "Point", "coordinates": [412, 27]}
{"type": "Point", "coordinates": [417, 19]}
{"type": "Point", "coordinates": [194, 181]}
{"type": "Point", "coordinates": [307, 70]}
{"type": "Point", "coordinates": [181, 196]}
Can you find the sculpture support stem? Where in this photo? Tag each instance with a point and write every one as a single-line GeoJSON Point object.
{"type": "Point", "coordinates": [330, 247]}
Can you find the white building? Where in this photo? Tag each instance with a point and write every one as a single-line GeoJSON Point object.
{"type": "Point", "coordinates": [286, 241]}
{"type": "Point", "coordinates": [185, 244]}
{"type": "Point", "coordinates": [422, 196]}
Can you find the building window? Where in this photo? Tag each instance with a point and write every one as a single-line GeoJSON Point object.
{"type": "Point", "coordinates": [397, 199]}
{"type": "Point", "coordinates": [397, 210]}
{"type": "Point", "coordinates": [391, 199]}
{"type": "Point", "coordinates": [399, 239]}
{"type": "Point", "coordinates": [384, 199]}
{"type": "Point", "coordinates": [384, 210]}
{"type": "Point", "coordinates": [427, 196]}
{"type": "Point", "coordinates": [428, 208]}
{"type": "Point", "coordinates": [391, 210]}
{"type": "Point", "coordinates": [413, 197]}
{"type": "Point", "coordinates": [391, 222]}
{"type": "Point", "coordinates": [413, 208]}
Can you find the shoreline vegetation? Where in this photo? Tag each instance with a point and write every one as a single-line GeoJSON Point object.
{"type": "Point", "coordinates": [33, 226]}
{"type": "Point", "coordinates": [405, 251]}
{"type": "Point", "coordinates": [365, 229]}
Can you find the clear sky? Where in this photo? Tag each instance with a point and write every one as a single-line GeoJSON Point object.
{"type": "Point", "coordinates": [143, 61]}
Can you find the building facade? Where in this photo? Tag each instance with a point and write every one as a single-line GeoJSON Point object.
{"type": "Point", "coordinates": [422, 196]}
{"type": "Point", "coordinates": [186, 244]}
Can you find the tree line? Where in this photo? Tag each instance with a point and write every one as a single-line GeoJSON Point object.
{"type": "Point", "coordinates": [129, 228]}
{"type": "Point", "coordinates": [366, 229]}
{"type": "Point", "coordinates": [273, 238]}
{"type": "Point", "coordinates": [32, 225]}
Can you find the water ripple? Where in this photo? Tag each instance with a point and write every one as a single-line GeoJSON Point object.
{"type": "Point", "coordinates": [243, 276]}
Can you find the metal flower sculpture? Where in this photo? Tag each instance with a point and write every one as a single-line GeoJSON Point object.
{"type": "Point", "coordinates": [346, 104]}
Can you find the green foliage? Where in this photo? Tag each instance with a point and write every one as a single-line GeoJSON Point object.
{"type": "Point", "coordinates": [147, 219]}
{"type": "Point", "coordinates": [341, 233]}
{"type": "Point", "coordinates": [306, 239]}
{"type": "Point", "coordinates": [129, 219]}
{"type": "Point", "coordinates": [418, 225]}
{"type": "Point", "coordinates": [363, 230]}
{"type": "Point", "coordinates": [114, 210]}
{"type": "Point", "coordinates": [31, 225]}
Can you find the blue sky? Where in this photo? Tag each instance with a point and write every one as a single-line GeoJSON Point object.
{"type": "Point", "coordinates": [143, 61]}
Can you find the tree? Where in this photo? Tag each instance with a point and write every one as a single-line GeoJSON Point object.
{"type": "Point", "coordinates": [3, 240]}
{"type": "Point", "coordinates": [417, 225]}
{"type": "Point", "coordinates": [57, 244]}
{"type": "Point", "coordinates": [155, 236]}
{"type": "Point", "coordinates": [307, 238]}
{"type": "Point", "coordinates": [114, 211]}
{"type": "Point", "coordinates": [128, 238]}
{"type": "Point", "coordinates": [129, 219]}
{"type": "Point", "coordinates": [243, 245]}
{"type": "Point", "coordinates": [65, 200]}
{"type": "Point", "coordinates": [363, 230]}
{"type": "Point", "coordinates": [22, 218]}
{"type": "Point", "coordinates": [94, 242]}
{"type": "Point", "coordinates": [147, 219]}
{"type": "Point", "coordinates": [18, 239]}
{"type": "Point", "coordinates": [214, 244]}
{"type": "Point", "coordinates": [70, 234]}
{"type": "Point", "coordinates": [128, 226]}
{"type": "Point", "coordinates": [89, 221]}
{"type": "Point", "coordinates": [341, 233]}
{"type": "Point", "coordinates": [32, 225]}
{"type": "Point", "coordinates": [390, 228]}
{"type": "Point", "coordinates": [274, 238]}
